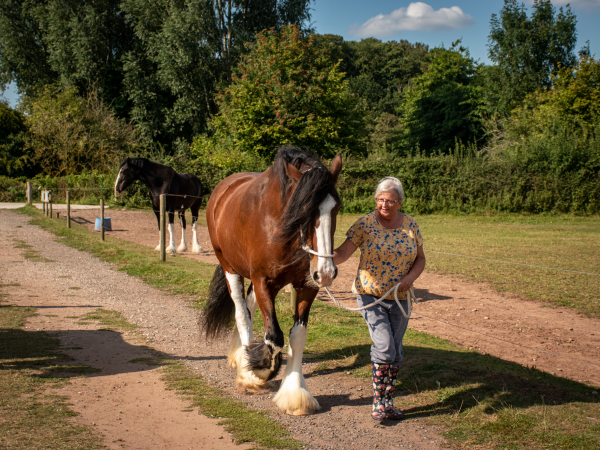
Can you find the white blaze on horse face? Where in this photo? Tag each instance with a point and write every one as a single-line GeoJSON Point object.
{"type": "Point", "coordinates": [117, 182]}
{"type": "Point", "coordinates": [242, 319]}
{"type": "Point", "coordinates": [325, 266]}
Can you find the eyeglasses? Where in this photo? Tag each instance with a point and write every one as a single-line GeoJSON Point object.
{"type": "Point", "coordinates": [381, 201]}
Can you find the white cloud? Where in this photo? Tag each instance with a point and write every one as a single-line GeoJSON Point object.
{"type": "Point", "coordinates": [576, 4]}
{"type": "Point", "coordinates": [417, 16]}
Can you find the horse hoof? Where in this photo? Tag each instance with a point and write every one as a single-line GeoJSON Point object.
{"type": "Point", "coordinates": [171, 249]}
{"type": "Point", "coordinates": [298, 412]}
{"type": "Point", "coordinates": [198, 250]}
{"type": "Point", "coordinates": [182, 249]}
{"type": "Point", "coordinates": [157, 247]}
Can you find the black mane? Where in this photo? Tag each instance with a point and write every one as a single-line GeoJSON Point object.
{"type": "Point", "coordinates": [138, 162]}
{"type": "Point", "coordinates": [302, 208]}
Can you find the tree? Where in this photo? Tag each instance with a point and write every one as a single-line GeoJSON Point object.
{"type": "Point", "coordinates": [15, 156]}
{"type": "Point", "coordinates": [527, 51]}
{"type": "Point", "coordinates": [443, 104]}
{"type": "Point", "coordinates": [156, 62]}
{"type": "Point", "coordinates": [286, 90]}
{"type": "Point", "coordinates": [70, 134]}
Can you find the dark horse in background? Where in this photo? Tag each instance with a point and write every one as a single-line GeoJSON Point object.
{"type": "Point", "coordinates": [186, 193]}
{"type": "Point", "coordinates": [263, 227]}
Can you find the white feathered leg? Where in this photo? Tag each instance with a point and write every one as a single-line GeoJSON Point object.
{"type": "Point", "coordinates": [171, 247]}
{"type": "Point", "coordinates": [293, 397]}
{"type": "Point", "coordinates": [183, 246]}
{"type": "Point", "coordinates": [195, 245]}
{"type": "Point", "coordinates": [236, 342]}
{"type": "Point", "coordinates": [236, 357]}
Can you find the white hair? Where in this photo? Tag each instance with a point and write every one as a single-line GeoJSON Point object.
{"type": "Point", "coordinates": [390, 184]}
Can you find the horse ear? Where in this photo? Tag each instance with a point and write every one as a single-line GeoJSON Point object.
{"type": "Point", "coordinates": [336, 168]}
{"type": "Point", "coordinates": [292, 172]}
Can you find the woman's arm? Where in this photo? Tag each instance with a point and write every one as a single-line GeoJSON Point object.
{"type": "Point", "coordinates": [343, 252]}
{"type": "Point", "coordinates": [415, 271]}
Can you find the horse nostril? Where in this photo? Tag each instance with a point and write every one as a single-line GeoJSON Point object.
{"type": "Point", "coordinates": [335, 272]}
{"type": "Point", "coordinates": [316, 276]}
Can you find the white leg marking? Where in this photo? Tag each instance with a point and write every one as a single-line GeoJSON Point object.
{"type": "Point", "coordinates": [183, 246]}
{"type": "Point", "coordinates": [171, 247]}
{"type": "Point", "coordinates": [236, 343]}
{"type": "Point", "coordinates": [325, 266]}
{"type": "Point", "coordinates": [293, 397]}
{"type": "Point", "coordinates": [195, 245]}
{"type": "Point", "coordinates": [236, 355]}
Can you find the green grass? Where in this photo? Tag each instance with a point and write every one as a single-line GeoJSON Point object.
{"type": "Point", "coordinates": [480, 400]}
{"type": "Point", "coordinates": [30, 254]}
{"type": "Point", "coordinates": [111, 320]}
{"type": "Point", "coordinates": [29, 364]}
{"type": "Point", "coordinates": [562, 242]}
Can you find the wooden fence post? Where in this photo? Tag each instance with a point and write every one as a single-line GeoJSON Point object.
{"type": "Point", "coordinates": [49, 204]}
{"type": "Point", "coordinates": [29, 199]}
{"type": "Point", "coordinates": [68, 209]}
{"type": "Point", "coordinates": [293, 299]}
{"type": "Point", "coordinates": [102, 219]}
{"type": "Point", "coordinates": [163, 226]}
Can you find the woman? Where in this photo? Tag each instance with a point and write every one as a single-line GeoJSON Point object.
{"type": "Point", "coordinates": [391, 252]}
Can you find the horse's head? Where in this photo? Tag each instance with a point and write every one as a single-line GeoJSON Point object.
{"type": "Point", "coordinates": [128, 173]}
{"type": "Point", "coordinates": [312, 210]}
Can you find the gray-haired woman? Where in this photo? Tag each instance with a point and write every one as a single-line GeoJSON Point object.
{"type": "Point", "coordinates": [391, 252]}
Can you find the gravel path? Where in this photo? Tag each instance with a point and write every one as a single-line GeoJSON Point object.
{"type": "Point", "coordinates": [170, 326]}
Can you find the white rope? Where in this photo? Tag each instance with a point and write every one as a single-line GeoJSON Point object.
{"type": "Point", "coordinates": [307, 249]}
{"type": "Point", "coordinates": [410, 296]}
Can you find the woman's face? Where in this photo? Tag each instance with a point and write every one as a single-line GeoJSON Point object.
{"type": "Point", "coordinates": [388, 204]}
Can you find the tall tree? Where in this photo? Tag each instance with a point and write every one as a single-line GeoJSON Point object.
{"type": "Point", "coordinates": [443, 104]}
{"type": "Point", "coordinates": [24, 54]}
{"type": "Point", "coordinates": [286, 90]}
{"type": "Point", "coordinates": [527, 51]}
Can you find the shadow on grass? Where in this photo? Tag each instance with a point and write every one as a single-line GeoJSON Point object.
{"type": "Point", "coordinates": [447, 381]}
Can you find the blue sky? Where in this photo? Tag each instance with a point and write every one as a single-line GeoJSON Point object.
{"type": "Point", "coordinates": [432, 22]}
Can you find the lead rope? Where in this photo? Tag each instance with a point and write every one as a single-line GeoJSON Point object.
{"type": "Point", "coordinates": [410, 294]}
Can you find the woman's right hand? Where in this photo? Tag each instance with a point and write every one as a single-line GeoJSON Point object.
{"type": "Point", "coordinates": [343, 252]}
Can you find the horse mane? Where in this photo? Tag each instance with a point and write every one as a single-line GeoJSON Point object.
{"type": "Point", "coordinates": [140, 163]}
{"type": "Point", "coordinates": [302, 208]}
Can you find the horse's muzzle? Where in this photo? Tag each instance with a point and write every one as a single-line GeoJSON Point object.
{"type": "Point", "coordinates": [325, 279]}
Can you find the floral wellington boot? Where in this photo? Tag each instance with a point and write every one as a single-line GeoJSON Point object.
{"type": "Point", "coordinates": [380, 380]}
{"type": "Point", "coordinates": [391, 412]}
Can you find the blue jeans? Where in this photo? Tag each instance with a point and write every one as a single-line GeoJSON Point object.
{"type": "Point", "coordinates": [387, 326]}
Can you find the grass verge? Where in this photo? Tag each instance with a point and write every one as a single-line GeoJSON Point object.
{"type": "Point", "coordinates": [29, 363]}
{"type": "Point", "coordinates": [562, 242]}
{"type": "Point", "coordinates": [479, 399]}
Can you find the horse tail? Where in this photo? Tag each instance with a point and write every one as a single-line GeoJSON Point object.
{"type": "Point", "coordinates": [219, 311]}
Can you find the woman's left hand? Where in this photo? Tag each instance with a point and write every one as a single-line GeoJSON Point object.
{"type": "Point", "coordinates": [405, 283]}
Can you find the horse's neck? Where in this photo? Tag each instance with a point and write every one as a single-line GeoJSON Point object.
{"type": "Point", "coordinates": [151, 177]}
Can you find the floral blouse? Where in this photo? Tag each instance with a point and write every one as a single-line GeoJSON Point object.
{"type": "Point", "coordinates": [385, 255]}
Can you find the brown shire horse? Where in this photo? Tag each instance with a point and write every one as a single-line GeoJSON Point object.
{"type": "Point", "coordinates": [272, 228]}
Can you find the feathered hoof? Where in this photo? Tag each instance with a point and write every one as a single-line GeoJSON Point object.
{"type": "Point", "coordinates": [248, 383]}
{"type": "Point", "coordinates": [182, 248]}
{"type": "Point", "coordinates": [197, 249]}
{"type": "Point", "coordinates": [157, 247]}
{"type": "Point", "coordinates": [171, 249]}
{"type": "Point", "coordinates": [298, 402]}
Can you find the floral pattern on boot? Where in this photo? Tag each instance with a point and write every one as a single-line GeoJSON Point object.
{"type": "Point", "coordinates": [380, 381]}
{"type": "Point", "coordinates": [388, 401]}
